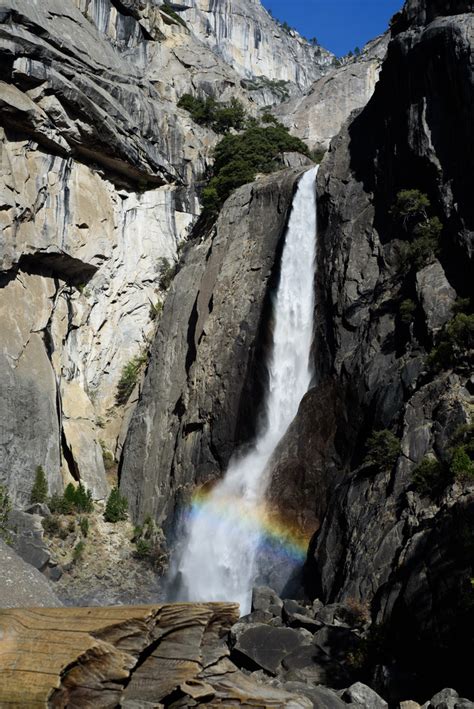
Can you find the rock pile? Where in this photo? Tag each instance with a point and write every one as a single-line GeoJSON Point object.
{"type": "Point", "coordinates": [314, 650]}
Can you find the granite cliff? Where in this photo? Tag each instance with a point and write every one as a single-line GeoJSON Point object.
{"type": "Point", "coordinates": [101, 179]}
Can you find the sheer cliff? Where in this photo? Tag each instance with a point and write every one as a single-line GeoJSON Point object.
{"type": "Point", "coordinates": [101, 180]}
{"type": "Point", "coordinates": [397, 533]}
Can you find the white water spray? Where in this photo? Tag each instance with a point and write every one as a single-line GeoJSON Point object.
{"type": "Point", "coordinates": [223, 533]}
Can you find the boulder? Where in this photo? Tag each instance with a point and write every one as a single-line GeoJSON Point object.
{"type": "Point", "coordinates": [265, 599]}
{"type": "Point", "coordinates": [322, 697]}
{"type": "Point", "coordinates": [362, 695]}
{"type": "Point", "coordinates": [264, 647]}
{"type": "Point", "coordinates": [28, 538]}
{"type": "Point", "coordinates": [445, 699]}
{"type": "Point", "coordinates": [21, 584]}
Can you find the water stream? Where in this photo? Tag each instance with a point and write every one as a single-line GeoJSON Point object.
{"type": "Point", "coordinates": [225, 529]}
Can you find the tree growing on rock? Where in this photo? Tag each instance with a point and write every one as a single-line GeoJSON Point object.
{"type": "Point", "coordinates": [383, 449]}
{"type": "Point", "coordinates": [116, 507]}
{"type": "Point", "coordinates": [39, 492]}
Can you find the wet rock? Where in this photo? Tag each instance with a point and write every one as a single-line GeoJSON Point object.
{"type": "Point", "coordinates": [322, 697]}
{"type": "Point", "coordinates": [187, 426]}
{"type": "Point", "coordinates": [264, 647]}
{"type": "Point", "coordinates": [265, 599]}
{"type": "Point", "coordinates": [362, 695]}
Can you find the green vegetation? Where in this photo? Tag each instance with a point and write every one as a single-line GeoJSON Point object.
{"type": "Point", "coordinates": [278, 87]}
{"type": "Point", "coordinates": [425, 245]}
{"type": "Point", "coordinates": [116, 507]}
{"type": "Point", "coordinates": [167, 273]}
{"type": "Point", "coordinates": [84, 526]}
{"type": "Point", "coordinates": [74, 499]}
{"type": "Point", "coordinates": [238, 159]}
{"type": "Point", "coordinates": [410, 205]}
{"type": "Point", "coordinates": [317, 155]}
{"type": "Point", "coordinates": [169, 12]}
{"type": "Point", "coordinates": [129, 378]}
{"type": "Point", "coordinates": [155, 310]}
{"type": "Point", "coordinates": [39, 492]}
{"type": "Point", "coordinates": [410, 211]}
{"type": "Point", "coordinates": [457, 338]}
{"type": "Point", "coordinates": [107, 456]}
{"type": "Point", "coordinates": [5, 509]}
{"type": "Point", "coordinates": [78, 553]}
{"type": "Point", "coordinates": [430, 477]}
{"type": "Point", "coordinates": [407, 310]}
{"type": "Point", "coordinates": [150, 544]}
{"type": "Point", "coordinates": [220, 117]}
{"type": "Point", "coordinates": [383, 449]}
{"type": "Point", "coordinates": [461, 467]}
{"type": "Point", "coordinates": [51, 526]}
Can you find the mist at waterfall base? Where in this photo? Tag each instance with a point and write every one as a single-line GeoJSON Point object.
{"type": "Point", "coordinates": [230, 531]}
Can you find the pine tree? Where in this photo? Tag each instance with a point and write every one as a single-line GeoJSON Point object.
{"type": "Point", "coordinates": [39, 492]}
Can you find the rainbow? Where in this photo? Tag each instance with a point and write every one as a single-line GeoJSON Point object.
{"type": "Point", "coordinates": [278, 536]}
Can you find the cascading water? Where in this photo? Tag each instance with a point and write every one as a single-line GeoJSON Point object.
{"type": "Point", "coordinates": [224, 530]}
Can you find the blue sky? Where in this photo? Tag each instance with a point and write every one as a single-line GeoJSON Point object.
{"type": "Point", "coordinates": [339, 25]}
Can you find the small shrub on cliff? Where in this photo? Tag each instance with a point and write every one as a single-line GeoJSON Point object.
{"type": "Point", "coordinates": [107, 456]}
{"type": "Point", "coordinates": [430, 477]}
{"type": "Point", "coordinates": [51, 526]}
{"type": "Point", "coordinates": [5, 509]}
{"type": "Point", "coordinates": [220, 117]}
{"type": "Point", "coordinates": [172, 14]}
{"type": "Point", "coordinates": [116, 507]}
{"type": "Point", "coordinates": [39, 492]}
{"type": "Point", "coordinates": [150, 544]}
{"type": "Point", "coordinates": [129, 378]}
{"type": "Point", "coordinates": [461, 466]}
{"type": "Point", "coordinates": [78, 553]}
{"type": "Point", "coordinates": [84, 526]}
{"type": "Point", "coordinates": [457, 340]}
{"type": "Point", "coordinates": [383, 449]}
{"type": "Point", "coordinates": [410, 205]}
{"type": "Point", "coordinates": [167, 273]}
{"type": "Point", "coordinates": [407, 311]}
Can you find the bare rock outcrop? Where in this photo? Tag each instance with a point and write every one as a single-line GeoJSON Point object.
{"type": "Point", "coordinates": [129, 656]}
{"type": "Point", "coordinates": [251, 40]}
{"type": "Point", "coordinates": [22, 585]}
{"type": "Point", "coordinates": [318, 115]}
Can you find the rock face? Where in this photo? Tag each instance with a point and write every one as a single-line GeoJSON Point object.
{"type": "Point", "coordinates": [318, 115]}
{"type": "Point", "coordinates": [201, 394]}
{"type": "Point", "coordinates": [383, 539]}
{"type": "Point", "coordinates": [100, 178]}
{"type": "Point", "coordinates": [248, 38]}
{"type": "Point", "coordinates": [22, 585]}
{"type": "Point", "coordinates": [171, 655]}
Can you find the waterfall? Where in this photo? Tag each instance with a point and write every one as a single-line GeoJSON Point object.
{"type": "Point", "coordinates": [224, 531]}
